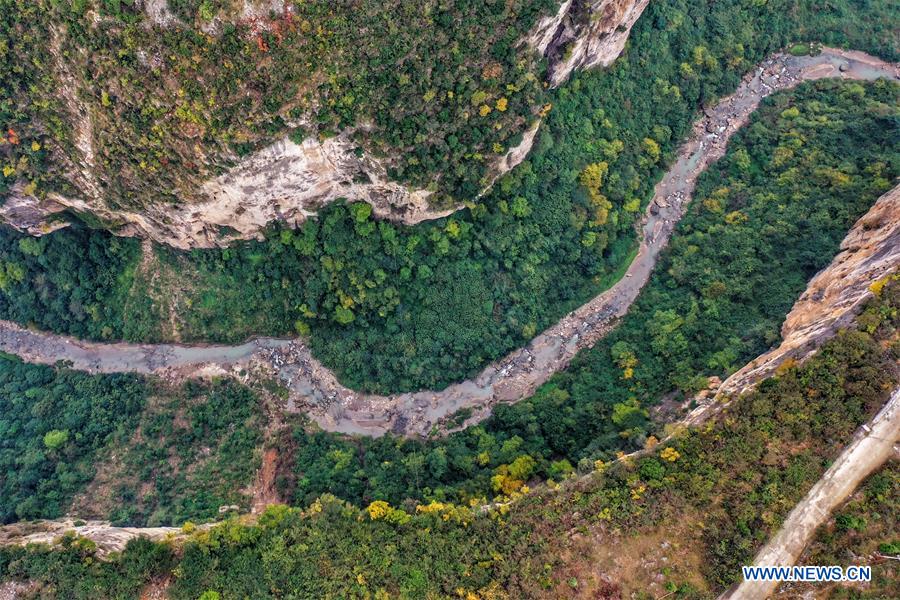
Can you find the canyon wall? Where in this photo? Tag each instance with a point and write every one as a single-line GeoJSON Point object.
{"type": "Point", "coordinates": [107, 537]}
{"type": "Point", "coordinates": [870, 252]}
{"type": "Point", "coordinates": [585, 34]}
{"type": "Point", "coordinates": [287, 181]}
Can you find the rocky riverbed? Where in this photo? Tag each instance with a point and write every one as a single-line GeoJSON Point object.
{"type": "Point", "coordinates": [315, 390]}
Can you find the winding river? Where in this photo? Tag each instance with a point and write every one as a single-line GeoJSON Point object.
{"type": "Point", "coordinates": [316, 391]}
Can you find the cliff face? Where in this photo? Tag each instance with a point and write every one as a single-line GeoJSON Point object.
{"type": "Point", "coordinates": [585, 34]}
{"type": "Point", "coordinates": [870, 252]}
{"type": "Point", "coordinates": [286, 181]}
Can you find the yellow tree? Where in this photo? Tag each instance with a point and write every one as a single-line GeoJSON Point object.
{"type": "Point", "coordinates": [592, 180]}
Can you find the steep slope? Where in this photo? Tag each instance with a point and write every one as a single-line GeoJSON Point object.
{"type": "Point", "coordinates": [200, 124]}
{"type": "Point", "coordinates": [586, 412]}
{"type": "Point", "coordinates": [584, 34]}
{"type": "Point", "coordinates": [497, 273]}
{"type": "Point", "coordinates": [869, 253]}
{"type": "Point", "coordinates": [360, 107]}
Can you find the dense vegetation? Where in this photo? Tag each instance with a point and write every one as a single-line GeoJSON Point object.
{"type": "Point", "coordinates": [736, 263]}
{"type": "Point", "coordinates": [439, 88]}
{"type": "Point", "coordinates": [123, 447]}
{"type": "Point", "coordinates": [397, 308]}
{"type": "Point", "coordinates": [729, 483]}
{"type": "Point", "coordinates": [53, 424]}
{"type": "Point", "coordinates": [393, 308]}
{"type": "Point", "coordinates": [194, 450]}
{"type": "Point", "coordinates": [763, 221]}
{"type": "Point", "coordinates": [31, 110]}
{"type": "Point", "coordinates": [866, 526]}
{"type": "Point", "coordinates": [76, 282]}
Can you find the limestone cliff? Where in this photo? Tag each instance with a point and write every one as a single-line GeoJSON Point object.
{"type": "Point", "coordinates": [584, 34]}
{"type": "Point", "coordinates": [870, 252]}
{"type": "Point", "coordinates": [287, 181]}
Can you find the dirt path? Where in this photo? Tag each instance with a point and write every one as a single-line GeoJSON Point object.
{"type": "Point", "coordinates": [263, 489]}
{"type": "Point", "coordinates": [873, 444]}
{"type": "Point", "coordinates": [315, 390]}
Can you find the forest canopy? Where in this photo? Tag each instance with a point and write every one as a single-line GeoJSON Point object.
{"type": "Point", "coordinates": [764, 219]}
{"type": "Point", "coordinates": [697, 480]}
{"type": "Point", "coordinates": [524, 503]}
{"type": "Point", "coordinates": [123, 447]}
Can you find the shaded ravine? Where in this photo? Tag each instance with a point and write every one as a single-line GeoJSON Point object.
{"type": "Point", "coordinates": [870, 252]}
{"type": "Point", "coordinates": [315, 390]}
{"type": "Point", "coordinates": [819, 313]}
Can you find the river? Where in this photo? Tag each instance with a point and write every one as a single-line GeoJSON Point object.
{"type": "Point", "coordinates": [315, 390]}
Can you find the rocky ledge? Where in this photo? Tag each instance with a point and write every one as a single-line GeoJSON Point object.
{"type": "Point", "coordinates": [288, 181]}
{"type": "Point", "coordinates": [585, 34]}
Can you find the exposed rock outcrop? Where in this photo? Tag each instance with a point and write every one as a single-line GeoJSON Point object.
{"type": "Point", "coordinates": [870, 252]}
{"type": "Point", "coordinates": [289, 182]}
{"type": "Point", "coordinates": [286, 181]}
{"type": "Point", "coordinates": [584, 34]}
{"type": "Point", "coordinates": [107, 537]}
{"type": "Point", "coordinates": [158, 12]}
{"type": "Point", "coordinates": [31, 215]}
